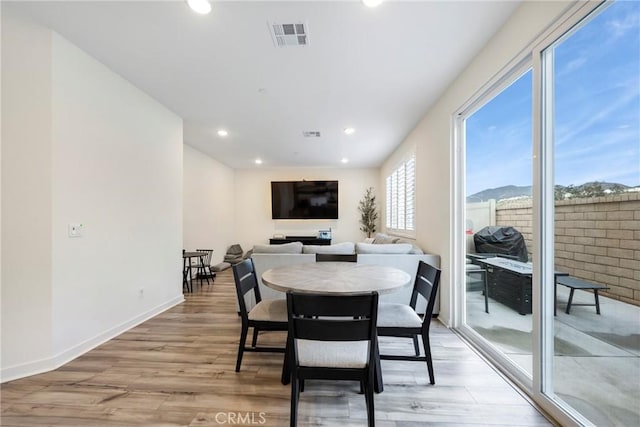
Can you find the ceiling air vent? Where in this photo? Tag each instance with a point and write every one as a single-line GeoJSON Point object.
{"type": "Point", "coordinates": [311, 133]}
{"type": "Point", "coordinates": [285, 35]}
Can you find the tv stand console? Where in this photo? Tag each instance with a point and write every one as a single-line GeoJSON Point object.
{"type": "Point", "coordinates": [305, 240]}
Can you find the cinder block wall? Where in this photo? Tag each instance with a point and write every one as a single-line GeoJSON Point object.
{"type": "Point", "coordinates": [597, 239]}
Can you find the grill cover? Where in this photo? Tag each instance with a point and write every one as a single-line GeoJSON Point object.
{"type": "Point", "coordinates": [501, 240]}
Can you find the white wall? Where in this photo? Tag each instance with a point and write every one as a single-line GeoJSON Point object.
{"type": "Point", "coordinates": [117, 169]}
{"type": "Point", "coordinates": [81, 145]}
{"type": "Point", "coordinates": [26, 193]}
{"type": "Point", "coordinates": [433, 138]}
{"type": "Point", "coordinates": [253, 204]}
{"type": "Point", "coordinates": [208, 204]}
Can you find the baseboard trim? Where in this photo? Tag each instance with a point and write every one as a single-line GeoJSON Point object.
{"type": "Point", "coordinates": [44, 365]}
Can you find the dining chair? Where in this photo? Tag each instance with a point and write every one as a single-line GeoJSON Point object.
{"type": "Point", "coordinates": [204, 270]}
{"type": "Point", "coordinates": [401, 320]}
{"type": "Point", "coordinates": [336, 257]}
{"type": "Point", "coordinates": [332, 338]}
{"type": "Point", "coordinates": [266, 315]}
{"type": "Point", "coordinates": [474, 269]}
{"type": "Point", "coordinates": [185, 273]}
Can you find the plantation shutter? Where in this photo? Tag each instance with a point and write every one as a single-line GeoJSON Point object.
{"type": "Point", "coordinates": [410, 203]}
{"type": "Point", "coordinates": [400, 206]}
{"type": "Point", "coordinates": [389, 198]}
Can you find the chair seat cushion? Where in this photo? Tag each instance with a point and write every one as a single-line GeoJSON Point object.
{"type": "Point", "coordinates": [274, 310]}
{"type": "Point", "coordinates": [333, 354]}
{"type": "Point", "coordinates": [397, 316]}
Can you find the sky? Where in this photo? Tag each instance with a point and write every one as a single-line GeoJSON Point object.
{"type": "Point", "coordinates": [596, 111]}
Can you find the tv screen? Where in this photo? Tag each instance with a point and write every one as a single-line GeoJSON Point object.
{"type": "Point", "coordinates": [304, 199]}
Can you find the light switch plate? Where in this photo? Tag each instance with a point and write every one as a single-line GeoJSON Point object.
{"type": "Point", "coordinates": [75, 230]}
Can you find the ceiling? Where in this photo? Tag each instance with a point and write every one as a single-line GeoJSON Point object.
{"type": "Point", "coordinates": [376, 70]}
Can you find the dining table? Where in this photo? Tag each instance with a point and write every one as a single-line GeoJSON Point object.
{"type": "Point", "coordinates": [336, 278]}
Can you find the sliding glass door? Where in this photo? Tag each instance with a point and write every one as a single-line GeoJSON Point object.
{"type": "Point", "coordinates": [550, 158]}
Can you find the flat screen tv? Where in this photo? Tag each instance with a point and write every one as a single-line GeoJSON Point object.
{"type": "Point", "coordinates": [304, 199]}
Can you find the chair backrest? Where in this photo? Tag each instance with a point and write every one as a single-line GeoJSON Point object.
{"type": "Point", "coordinates": [207, 258]}
{"type": "Point", "coordinates": [337, 257]}
{"type": "Point", "coordinates": [426, 284]}
{"type": "Point", "coordinates": [244, 274]}
{"type": "Point", "coordinates": [333, 318]}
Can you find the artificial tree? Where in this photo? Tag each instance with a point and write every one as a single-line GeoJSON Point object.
{"type": "Point", "coordinates": [368, 213]}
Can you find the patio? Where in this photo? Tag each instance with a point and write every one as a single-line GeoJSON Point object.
{"type": "Point", "coordinates": [597, 363]}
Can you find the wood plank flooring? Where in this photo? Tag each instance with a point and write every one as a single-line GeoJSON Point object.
{"type": "Point", "coordinates": [178, 369]}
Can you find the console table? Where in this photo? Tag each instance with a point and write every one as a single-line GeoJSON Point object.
{"type": "Point", "coordinates": [305, 240]}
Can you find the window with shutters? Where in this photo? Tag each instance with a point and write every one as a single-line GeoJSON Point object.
{"type": "Point", "coordinates": [401, 185]}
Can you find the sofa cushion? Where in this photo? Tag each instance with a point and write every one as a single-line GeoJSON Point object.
{"type": "Point", "coordinates": [416, 250]}
{"type": "Point", "coordinates": [345, 248]}
{"type": "Point", "coordinates": [393, 248]}
{"type": "Point", "coordinates": [286, 248]}
{"type": "Point", "coordinates": [384, 239]}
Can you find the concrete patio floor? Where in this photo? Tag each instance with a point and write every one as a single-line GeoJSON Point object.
{"type": "Point", "coordinates": [597, 357]}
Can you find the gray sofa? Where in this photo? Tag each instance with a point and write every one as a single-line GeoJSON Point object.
{"type": "Point", "coordinates": [407, 262]}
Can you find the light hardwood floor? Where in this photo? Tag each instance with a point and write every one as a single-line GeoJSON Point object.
{"type": "Point", "coordinates": [178, 369]}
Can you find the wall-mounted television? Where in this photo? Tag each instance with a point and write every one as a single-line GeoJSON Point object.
{"type": "Point", "coordinates": [304, 199]}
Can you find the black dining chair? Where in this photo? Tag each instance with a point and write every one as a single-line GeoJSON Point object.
{"type": "Point", "coordinates": [336, 257]}
{"type": "Point", "coordinates": [204, 269]}
{"type": "Point", "coordinates": [185, 273]}
{"type": "Point", "coordinates": [266, 315]}
{"type": "Point", "coordinates": [401, 320]}
{"type": "Point", "coordinates": [332, 338]}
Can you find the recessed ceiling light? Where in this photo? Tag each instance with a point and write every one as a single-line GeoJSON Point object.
{"type": "Point", "coordinates": [258, 161]}
{"type": "Point", "coordinates": [349, 131]}
{"type": "Point", "coordinates": [223, 133]}
{"type": "Point", "coordinates": [372, 3]}
{"type": "Point", "coordinates": [344, 160]}
{"type": "Point", "coordinates": [200, 6]}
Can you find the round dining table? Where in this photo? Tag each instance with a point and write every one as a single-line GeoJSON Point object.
{"type": "Point", "coordinates": [335, 278]}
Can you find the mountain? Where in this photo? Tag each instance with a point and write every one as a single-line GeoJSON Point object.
{"type": "Point", "coordinates": [506, 192]}
{"type": "Point", "coordinates": [588, 189]}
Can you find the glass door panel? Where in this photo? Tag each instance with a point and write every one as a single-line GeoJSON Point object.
{"type": "Point", "coordinates": [596, 143]}
{"type": "Point", "coordinates": [498, 217]}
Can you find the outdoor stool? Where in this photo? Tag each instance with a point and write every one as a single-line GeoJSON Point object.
{"type": "Point", "coordinates": [573, 284]}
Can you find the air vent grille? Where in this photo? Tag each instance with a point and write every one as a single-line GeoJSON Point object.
{"type": "Point", "coordinates": [311, 133]}
{"type": "Point", "coordinates": [285, 35]}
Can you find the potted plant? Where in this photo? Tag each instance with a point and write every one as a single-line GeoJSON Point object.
{"type": "Point", "coordinates": [368, 214]}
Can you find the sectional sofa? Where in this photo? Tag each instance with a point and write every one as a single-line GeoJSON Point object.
{"type": "Point", "coordinates": [404, 256]}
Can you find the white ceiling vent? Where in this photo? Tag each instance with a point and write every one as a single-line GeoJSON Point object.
{"type": "Point", "coordinates": [289, 34]}
{"type": "Point", "coordinates": [311, 133]}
